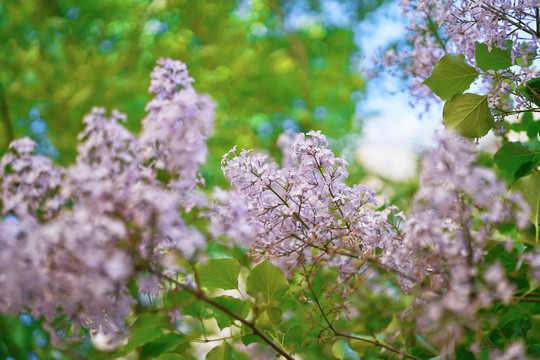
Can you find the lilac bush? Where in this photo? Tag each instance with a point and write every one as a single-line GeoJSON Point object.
{"type": "Point", "coordinates": [81, 247]}
{"type": "Point", "coordinates": [304, 213]}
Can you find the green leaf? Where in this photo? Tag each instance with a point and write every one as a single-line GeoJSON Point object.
{"type": "Point", "coordinates": [529, 187]}
{"type": "Point", "coordinates": [219, 274]}
{"type": "Point", "coordinates": [221, 352]}
{"type": "Point", "coordinates": [237, 306]}
{"type": "Point", "coordinates": [162, 345]}
{"type": "Point", "coordinates": [526, 120]}
{"type": "Point", "coordinates": [533, 335]}
{"type": "Point", "coordinates": [524, 170]}
{"type": "Point", "coordinates": [496, 59]}
{"type": "Point", "coordinates": [269, 318]}
{"type": "Point", "coordinates": [532, 91]}
{"type": "Point", "coordinates": [516, 312]}
{"type": "Point", "coordinates": [342, 351]}
{"type": "Point", "coordinates": [249, 337]}
{"type": "Point", "coordinates": [468, 115]}
{"type": "Point", "coordinates": [150, 319]}
{"type": "Point", "coordinates": [269, 280]}
{"type": "Point", "coordinates": [293, 336]}
{"type": "Point", "coordinates": [451, 76]}
{"type": "Point", "coordinates": [394, 328]}
{"type": "Point", "coordinates": [170, 356]}
{"type": "Point", "coordinates": [145, 329]}
{"type": "Point", "coordinates": [424, 348]}
{"type": "Point", "coordinates": [512, 155]}
{"type": "Point", "coordinates": [191, 306]}
{"type": "Point", "coordinates": [139, 338]}
{"type": "Point", "coordinates": [178, 298]}
{"type": "Point", "coordinates": [533, 130]}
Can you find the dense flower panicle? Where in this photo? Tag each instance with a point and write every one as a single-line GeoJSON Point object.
{"type": "Point", "coordinates": [108, 154]}
{"type": "Point", "coordinates": [284, 142]}
{"type": "Point", "coordinates": [533, 260]}
{"type": "Point", "coordinates": [450, 26]}
{"type": "Point", "coordinates": [178, 123]}
{"type": "Point", "coordinates": [443, 241]}
{"type": "Point", "coordinates": [424, 50]}
{"type": "Point", "coordinates": [168, 78]}
{"type": "Point", "coordinates": [107, 214]}
{"type": "Point", "coordinates": [303, 213]}
{"type": "Point", "coordinates": [109, 177]}
{"type": "Point", "coordinates": [155, 212]}
{"type": "Point", "coordinates": [67, 267]}
{"type": "Point", "coordinates": [29, 183]}
{"type": "Point", "coordinates": [229, 217]}
{"type": "Point", "coordinates": [107, 143]}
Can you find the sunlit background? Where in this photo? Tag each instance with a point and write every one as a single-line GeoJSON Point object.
{"type": "Point", "coordinates": [270, 65]}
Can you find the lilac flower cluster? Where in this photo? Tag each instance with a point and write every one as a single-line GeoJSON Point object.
{"type": "Point", "coordinates": [178, 122]}
{"type": "Point", "coordinates": [73, 238]}
{"type": "Point", "coordinates": [455, 212]}
{"type": "Point", "coordinates": [30, 184]}
{"type": "Point", "coordinates": [450, 26]}
{"type": "Point", "coordinates": [303, 213]}
{"type": "Point", "coordinates": [533, 260]}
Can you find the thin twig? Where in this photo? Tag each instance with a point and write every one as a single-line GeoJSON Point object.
{"type": "Point", "coordinates": [537, 16]}
{"type": "Point", "coordinates": [201, 296]}
{"type": "Point", "coordinates": [533, 300]}
{"type": "Point", "coordinates": [337, 333]}
{"type": "Point", "coordinates": [378, 343]}
{"type": "Point", "coordinates": [517, 23]}
{"type": "Point", "coordinates": [433, 27]}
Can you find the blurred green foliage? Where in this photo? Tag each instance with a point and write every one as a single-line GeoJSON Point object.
{"type": "Point", "coordinates": [58, 58]}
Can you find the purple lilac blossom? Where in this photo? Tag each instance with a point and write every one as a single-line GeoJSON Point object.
{"type": "Point", "coordinates": [75, 236]}
{"type": "Point", "coordinates": [30, 183]}
{"type": "Point", "coordinates": [302, 214]}
{"type": "Point", "coordinates": [441, 27]}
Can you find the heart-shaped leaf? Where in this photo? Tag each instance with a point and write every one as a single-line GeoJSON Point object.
{"type": "Point", "coordinates": [451, 76]}
{"type": "Point", "coordinates": [468, 115]}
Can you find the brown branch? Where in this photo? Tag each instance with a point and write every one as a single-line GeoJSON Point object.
{"type": "Point", "coordinates": [201, 296]}
{"type": "Point", "coordinates": [378, 343]}
{"type": "Point", "coordinates": [533, 300]}
{"type": "Point", "coordinates": [517, 23]}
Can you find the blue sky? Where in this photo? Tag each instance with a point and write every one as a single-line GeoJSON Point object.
{"type": "Point", "coordinates": [393, 131]}
{"type": "Point", "coordinates": [391, 118]}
